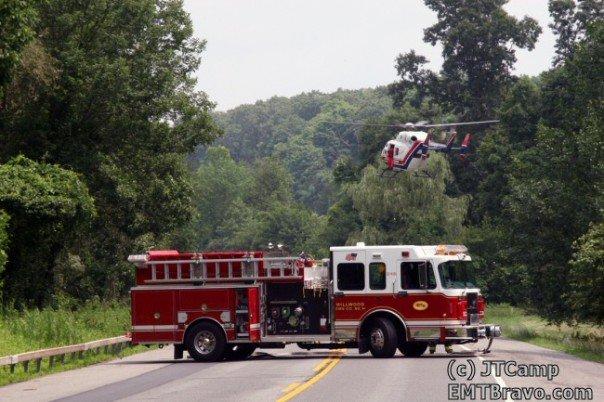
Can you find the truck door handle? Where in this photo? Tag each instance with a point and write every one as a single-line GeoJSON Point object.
{"type": "Point", "coordinates": [402, 293]}
{"type": "Point", "coordinates": [338, 294]}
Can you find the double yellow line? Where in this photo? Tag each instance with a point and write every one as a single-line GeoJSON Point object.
{"type": "Point", "coordinates": [321, 371]}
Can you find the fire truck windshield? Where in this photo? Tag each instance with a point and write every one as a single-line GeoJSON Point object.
{"type": "Point", "coordinates": [456, 274]}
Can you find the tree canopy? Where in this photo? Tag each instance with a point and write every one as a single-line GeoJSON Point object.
{"type": "Point", "coordinates": [48, 206]}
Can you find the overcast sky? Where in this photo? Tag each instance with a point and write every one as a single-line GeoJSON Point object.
{"type": "Point", "coordinates": [260, 48]}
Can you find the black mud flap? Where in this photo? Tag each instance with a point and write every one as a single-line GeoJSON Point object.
{"type": "Point", "coordinates": [363, 345]}
{"type": "Point", "coordinates": [178, 351]}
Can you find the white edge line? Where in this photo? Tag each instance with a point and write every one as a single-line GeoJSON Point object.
{"type": "Point", "coordinates": [498, 379]}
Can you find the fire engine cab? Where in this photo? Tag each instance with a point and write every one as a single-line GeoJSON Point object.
{"type": "Point", "coordinates": [223, 305]}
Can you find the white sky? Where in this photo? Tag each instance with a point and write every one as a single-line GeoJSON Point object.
{"type": "Point", "coordinates": [260, 48]}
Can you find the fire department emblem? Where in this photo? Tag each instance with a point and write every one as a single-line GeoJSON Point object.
{"type": "Point", "coordinates": [351, 257]}
{"type": "Point", "coordinates": [420, 305]}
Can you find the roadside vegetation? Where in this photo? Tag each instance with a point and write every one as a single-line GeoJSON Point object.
{"type": "Point", "coordinates": [24, 331]}
{"type": "Point", "coordinates": [34, 329]}
{"type": "Point", "coordinates": [584, 341]}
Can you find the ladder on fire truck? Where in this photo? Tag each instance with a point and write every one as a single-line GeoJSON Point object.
{"type": "Point", "coordinates": [197, 269]}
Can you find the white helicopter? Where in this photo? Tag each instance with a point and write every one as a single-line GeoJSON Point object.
{"type": "Point", "coordinates": [410, 149]}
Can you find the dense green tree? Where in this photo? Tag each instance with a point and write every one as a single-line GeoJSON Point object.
{"type": "Point", "coordinates": [107, 90]}
{"type": "Point", "coordinates": [292, 225]}
{"type": "Point", "coordinates": [4, 241]}
{"type": "Point", "coordinates": [556, 192]}
{"type": "Point", "coordinates": [570, 22]}
{"type": "Point", "coordinates": [309, 132]}
{"type": "Point", "coordinates": [246, 207]}
{"type": "Point", "coordinates": [17, 18]}
{"type": "Point", "coordinates": [586, 277]}
{"type": "Point", "coordinates": [219, 185]}
{"type": "Point", "coordinates": [542, 186]}
{"type": "Point", "coordinates": [570, 91]}
{"type": "Point", "coordinates": [478, 40]}
{"type": "Point", "coordinates": [342, 221]}
{"type": "Point", "coordinates": [409, 209]}
{"type": "Point", "coordinates": [520, 113]}
{"type": "Point", "coordinates": [48, 207]}
{"type": "Point", "coordinates": [312, 181]}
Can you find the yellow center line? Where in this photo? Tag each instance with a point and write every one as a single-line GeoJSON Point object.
{"type": "Point", "coordinates": [322, 369]}
{"type": "Point", "coordinates": [291, 386]}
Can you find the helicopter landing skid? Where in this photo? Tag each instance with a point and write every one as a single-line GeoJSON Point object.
{"type": "Point", "coordinates": [424, 174]}
{"type": "Point", "coordinates": [392, 175]}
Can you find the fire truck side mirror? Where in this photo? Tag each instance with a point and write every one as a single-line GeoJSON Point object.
{"type": "Point", "coordinates": [423, 276]}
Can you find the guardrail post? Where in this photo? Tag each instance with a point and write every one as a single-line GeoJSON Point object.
{"type": "Point", "coordinates": [63, 353]}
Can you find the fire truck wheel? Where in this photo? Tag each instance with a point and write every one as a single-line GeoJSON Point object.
{"type": "Point", "coordinates": [238, 352]}
{"type": "Point", "coordinates": [382, 338]}
{"type": "Point", "coordinates": [413, 349]}
{"type": "Point", "coordinates": [206, 342]}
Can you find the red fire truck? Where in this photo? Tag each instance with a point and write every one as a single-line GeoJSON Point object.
{"type": "Point", "coordinates": [223, 305]}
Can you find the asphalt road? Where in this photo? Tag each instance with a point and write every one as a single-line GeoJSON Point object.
{"type": "Point", "coordinates": [295, 374]}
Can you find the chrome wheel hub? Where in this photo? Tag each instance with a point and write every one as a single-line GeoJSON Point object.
{"type": "Point", "coordinates": [377, 338]}
{"type": "Point", "coordinates": [204, 342]}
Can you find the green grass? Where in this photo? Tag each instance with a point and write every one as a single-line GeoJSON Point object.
{"type": "Point", "coordinates": [38, 329]}
{"type": "Point", "coordinates": [584, 341]}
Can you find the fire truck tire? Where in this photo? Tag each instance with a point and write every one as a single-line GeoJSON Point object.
{"type": "Point", "coordinates": [238, 352]}
{"type": "Point", "coordinates": [382, 338]}
{"type": "Point", "coordinates": [206, 342]}
{"type": "Point", "coordinates": [413, 349]}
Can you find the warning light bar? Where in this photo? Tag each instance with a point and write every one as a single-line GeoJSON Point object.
{"type": "Point", "coordinates": [451, 249]}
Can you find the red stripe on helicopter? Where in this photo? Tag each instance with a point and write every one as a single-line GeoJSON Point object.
{"type": "Point", "coordinates": [410, 154]}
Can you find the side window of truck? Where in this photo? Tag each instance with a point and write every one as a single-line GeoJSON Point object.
{"type": "Point", "coordinates": [377, 276]}
{"type": "Point", "coordinates": [351, 276]}
{"type": "Point", "coordinates": [410, 275]}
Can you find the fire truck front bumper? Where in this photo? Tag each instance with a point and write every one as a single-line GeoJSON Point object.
{"type": "Point", "coordinates": [455, 334]}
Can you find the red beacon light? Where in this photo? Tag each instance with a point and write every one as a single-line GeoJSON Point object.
{"type": "Point", "coordinates": [451, 249]}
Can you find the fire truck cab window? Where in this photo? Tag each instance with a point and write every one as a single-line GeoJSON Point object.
{"type": "Point", "coordinates": [410, 275]}
{"type": "Point", "coordinates": [351, 276]}
{"type": "Point", "coordinates": [377, 276]}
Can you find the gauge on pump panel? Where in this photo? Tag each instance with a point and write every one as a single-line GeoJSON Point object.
{"type": "Point", "coordinates": [293, 321]}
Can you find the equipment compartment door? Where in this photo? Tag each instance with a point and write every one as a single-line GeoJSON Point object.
{"type": "Point", "coordinates": [254, 313]}
{"type": "Point", "coordinates": [153, 315]}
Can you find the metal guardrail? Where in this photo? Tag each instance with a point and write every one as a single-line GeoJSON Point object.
{"type": "Point", "coordinates": [113, 345]}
